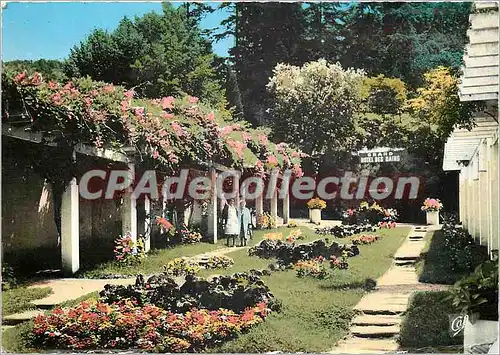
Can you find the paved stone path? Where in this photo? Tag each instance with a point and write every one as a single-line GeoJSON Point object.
{"type": "Point", "coordinates": [70, 288]}
{"type": "Point", "coordinates": [376, 327]}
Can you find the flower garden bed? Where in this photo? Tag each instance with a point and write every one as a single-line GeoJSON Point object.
{"type": "Point", "coordinates": [343, 231]}
{"type": "Point", "coordinates": [159, 315]}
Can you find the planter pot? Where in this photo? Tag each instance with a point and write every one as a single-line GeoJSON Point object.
{"type": "Point", "coordinates": [433, 218]}
{"type": "Point", "coordinates": [315, 215]}
{"type": "Point", "coordinates": [480, 332]}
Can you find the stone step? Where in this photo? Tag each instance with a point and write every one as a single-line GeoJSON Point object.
{"type": "Point", "coordinates": [17, 318]}
{"type": "Point", "coordinates": [399, 262]}
{"type": "Point", "coordinates": [416, 237]}
{"type": "Point", "coordinates": [373, 331]}
{"type": "Point", "coordinates": [365, 346]}
{"type": "Point", "coordinates": [383, 303]}
{"type": "Point", "coordinates": [379, 320]}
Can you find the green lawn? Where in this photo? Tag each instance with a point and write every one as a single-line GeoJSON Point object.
{"type": "Point", "coordinates": [19, 299]}
{"type": "Point", "coordinates": [159, 257]}
{"type": "Point", "coordinates": [316, 313]}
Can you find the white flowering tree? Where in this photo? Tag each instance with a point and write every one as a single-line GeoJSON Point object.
{"type": "Point", "coordinates": [314, 105]}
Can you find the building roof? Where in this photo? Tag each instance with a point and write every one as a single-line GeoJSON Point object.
{"type": "Point", "coordinates": [479, 80]}
{"type": "Point", "coordinates": [462, 144]}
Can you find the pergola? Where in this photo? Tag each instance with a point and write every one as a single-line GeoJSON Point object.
{"type": "Point", "coordinates": [70, 204]}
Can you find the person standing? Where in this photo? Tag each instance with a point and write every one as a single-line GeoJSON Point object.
{"type": "Point", "coordinates": [230, 222]}
{"type": "Point", "coordinates": [244, 221]}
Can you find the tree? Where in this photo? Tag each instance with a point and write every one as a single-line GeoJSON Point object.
{"type": "Point", "coordinates": [438, 104]}
{"type": "Point", "coordinates": [265, 34]}
{"type": "Point", "coordinates": [51, 69]}
{"type": "Point", "coordinates": [314, 105]}
{"type": "Point", "coordinates": [384, 95]}
{"type": "Point", "coordinates": [157, 54]}
{"type": "Point", "coordinates": [405, 40]}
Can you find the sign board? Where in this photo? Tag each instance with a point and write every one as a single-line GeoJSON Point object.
{"type": "Point", "coordinates": [388, 156]}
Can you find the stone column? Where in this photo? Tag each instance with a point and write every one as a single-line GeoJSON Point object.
{"type": "Point", "coordinates": [286, 209]}
{"type": "Point", "coordinates": [70, 228]}
{"type": "Point", "coordinates": [147, 224]}
{"type": "Point", "coordinates": [212, 207]}
{"type": "Point", "coordinates": [129, 209]}
{"type": "Point", "coordinates": [274, 205]}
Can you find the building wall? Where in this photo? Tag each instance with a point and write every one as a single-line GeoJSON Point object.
{"type": "Point", "coordinates": [479, 199]}
{"type": "Point", "coordinates": [29, 233]}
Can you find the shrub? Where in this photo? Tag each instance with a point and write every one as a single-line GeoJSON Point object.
{"type": "Point", "coordinates": [165, 224]}
{"type": "Point", "coordinates": [266, 221]}
{"type": "Point", "coordinates": [316, 203]}
{"type": "Point", "coordinates": [292, 224]}
{"type": "Point", "coordinates": [181, 267]}
{"type": "Point", "coordinates": [339, 262]}
{"type": "Point", "coordinates": [294, 235]}
{"type": "Point", "coordinates": [369, 214]}
{"type": "Point", "coordinates": [125, 325]}
{"type": "Point", "coordinates": [186, 236]}
{"type": "Point", "coordinates": [346, 230]}
{"type": "Point", "coordinates": [235, 292]}
{"type": "Point", "coordinates": [311, 268]}
{"type": "Point", "coordinates": [426, 322]}
{"type": "Point", "coordinates": [9, 279]}
{"type": "Point", "coordinates": [219, 262]}
{"type": "Point", "coordinates": [289, 254]}
{"type": "Point", "coordinates": [365, 239]}
{"type": "Point", "coordinates": [478, 292]}
{"type": "Point", "coordinates": [127, 251]}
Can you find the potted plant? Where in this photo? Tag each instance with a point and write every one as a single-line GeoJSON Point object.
{"type": "Point", "coordinates": [432, 206]}
{"type": "Point", "coordinates": [476, 296]}
{"type": "Point", "coordinates": [315, 206]}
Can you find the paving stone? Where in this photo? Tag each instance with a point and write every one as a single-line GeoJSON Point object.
{"type": "Point", "coordinates": [398, 275]}
{"type": "Point", "coordinates": [383, 303]}
{"type": "Point", "coordinates": [363, 345]}
{"type": "Point", "coordinates": [380, 320]}
{"type": "Point", "coordinates": [374, 331]}
{"type": "Point", "coordinates": [17, 318]}
{"type": "Point", "coordinates": [69, 289]}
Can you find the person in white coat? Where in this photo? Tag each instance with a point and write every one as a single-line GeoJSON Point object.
{"type": "Point", "coordinates": [230, 221]}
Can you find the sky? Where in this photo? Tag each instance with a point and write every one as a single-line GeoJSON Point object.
{"type": "Point", "coordinates": [49, 30]}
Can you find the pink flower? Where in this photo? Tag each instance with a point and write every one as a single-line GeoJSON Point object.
{"type": "Point", "coordinates": [109, 88]}
{"type": "Point", "coordinates": [155, 154]}
{"type": "Point", "coordinates": [129, 94]}
{"type": "Point", "coordinates": [193, 100]}
{"type": "Point", "coordinates": [53, 85]}
{"type": "Point", "coordinates": [139, 111]}
{"type": "Point", "coordinates": [98, 142]}
{"type": "Point", "coordinates": [177, 128]}
{"type": "Point", "coordinates": [125, 106]}
{"type": "Point", "coordinates": [298, 171]}
{"type": "Point", "coordinates": [68, 86]}
{"type": "Point", "coordinates": [20, 77]}
{"type": "Point", "coordinates": [211, 116]}
{"type": "Point", "coordinates": [263, 139]}
{"type": "Point", "coordinates": [167, 102]}
{"type": "Point", "coordinates": [163, 133]}
{"type": "Point", "coordinates": [259, 165]}
{"type": "Point", "coordinates": [36, 79]}
{"type": "Point", "coordinates": [173, 158]}
{"type": "Point", "coordinates": [246, 137]}
{"type": "Point", "coordinates": [56, 98]}
{"type": "Point", "coordinates": [168, 116]}
{"type": "Point", "coordinates": [271, 159]}
{"type": "Point", "coordinates": [350, 211]}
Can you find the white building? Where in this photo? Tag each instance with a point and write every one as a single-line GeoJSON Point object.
{"type": "Point", "coordinates": [475, 153]}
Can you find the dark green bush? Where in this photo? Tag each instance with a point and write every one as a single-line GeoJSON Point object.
{"type": "Point", "coordinates": [426, 322]}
